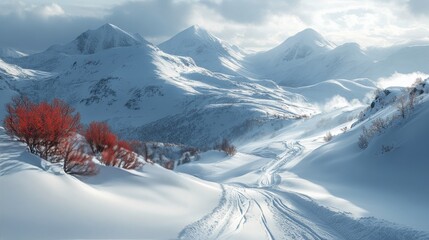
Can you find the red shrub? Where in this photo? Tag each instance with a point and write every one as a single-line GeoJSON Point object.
{"type": "Point", "coordinates": [100, 137]}
{"type": "Point", "coordinates": [41, 126]}
{"type": "Point", "coordinates": [109, 157]}
{"type": "Point", "coordinates": [114, 152]}
{"type": "Point", "coordinates": [75, 160]}
{"type": "Point", "coordinates": [120, 155]}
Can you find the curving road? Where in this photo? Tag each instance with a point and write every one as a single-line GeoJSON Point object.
{"type": "Point", "coordinates": [261, 211]}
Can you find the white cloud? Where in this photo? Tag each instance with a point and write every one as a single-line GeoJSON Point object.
{"type": "Point", "coordinates": [51, 10]}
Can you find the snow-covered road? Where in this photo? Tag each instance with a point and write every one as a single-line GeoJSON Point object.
{"type": "Point", "coordinates": [269, 173]}
{"type": "Point", "coordinates": [263, 211]}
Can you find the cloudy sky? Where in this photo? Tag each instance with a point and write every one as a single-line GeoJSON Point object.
{"type": "Point", "coordinates": [251, 24]}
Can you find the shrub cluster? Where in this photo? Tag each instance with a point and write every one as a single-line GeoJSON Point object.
{"type": "Point", "coordinates": [377, 127]}
{"type": "Point", "coordinates": [50, 131]}
{"type": "Point", "coordinates": [227, 147]}
{"type": "Point", "coordinates": [112, 151]}
{"type": "Point", "coordinates": [405, 104]}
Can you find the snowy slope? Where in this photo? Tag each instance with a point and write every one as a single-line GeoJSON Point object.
{"type": "Point", "coordinates": [6, 94]}
{"type": "Point", "coordinates": [292, 170]}
{"type": "Point", "coordinates": [264, 197]}
{"type": "Point", "coordinates": [206, 50]}
{"type": "Point", "coordinates": [323, 92]}
{"type": "Point", "coordinates": [15, 72]}
{"type": "Point", "coordinates": [379, 178]}
{"type": "Point", "coordinates": [157, 203]}
{"type": "Point", "coordinates": [40, 201]}
{"type": "Point", "coordinates": [10, 75]}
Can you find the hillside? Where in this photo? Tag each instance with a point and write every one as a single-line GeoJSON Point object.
{"type": "Point", "coordinates": [392, 170]}
{"type": "Point", "coordinates": [151, 203]}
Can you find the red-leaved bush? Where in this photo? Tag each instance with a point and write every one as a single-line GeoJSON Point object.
{"type": "Point", "coordinates": [114, 152]}
{"type": "Point", "coordinates": [41, 126]}
{"type": "Point", "coordinates": [49, 130]}
{"type": "Point", "coordinates": [76, 161]}
{"type": "Point", "coordinates": [99, 137]}
{"type": "Point", "coordinates": [120, 155]}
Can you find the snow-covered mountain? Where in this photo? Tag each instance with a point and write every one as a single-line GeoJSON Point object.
{"type": "Point", "coordinates": [303, 59]}
{"type": "Point", "coordinates": [307, 58]}
{"type": "Point", "coordinates": [106, 37]}
{"type": "Point", "coordinates": [139, 86]}
{"type": "Point", "coordinates": [206, 50]}
{"type": "Point", "coordinates": [301, 46]}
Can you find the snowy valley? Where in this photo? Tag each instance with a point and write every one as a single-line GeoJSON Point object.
{"type": "Point", "coordinates": [326, 144]}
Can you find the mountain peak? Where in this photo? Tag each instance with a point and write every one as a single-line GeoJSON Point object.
{"type": "Point", "coordinates": [205, 49]}
{"type": "Point", "coordinates": [193, 38]}
{"type": "Point", "coordinates": [196, 31]}
{"type": "Point", "coordinates": [105, 37]}
{"type": "Point", "coordinates": [194, 27]}
{"type": "Point", "coordinates": [109, 26]}
{"type": "Point", "coordinates": [301, 45]}
{"type": "Point", "coordinates": [311, 38]}
{"type": "Point", "coordinates": [309, 32]}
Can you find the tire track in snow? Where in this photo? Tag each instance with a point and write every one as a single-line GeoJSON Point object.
{"type": "Point", "coordinates": [227, 218]}
{"type": "Point", "coordinates": [270, 176]}
{"type": "Point", "coordinates": [239, 205]}
{"type": "Point", "coordinates": [244, 207]}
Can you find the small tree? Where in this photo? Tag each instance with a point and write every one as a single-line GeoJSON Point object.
{"type": "Point", "coordinates": [227, 147]}
{"type": "Point", "coordinates": [327, 137]}
{"type": "Point", "coordinates": [378, 125]}
{"type": "Point", "coordinates": [411, 101]}
{"type": "Point", "coordinates": [363, 140]}
{"type": "Point", "coordinates": [402, 106]}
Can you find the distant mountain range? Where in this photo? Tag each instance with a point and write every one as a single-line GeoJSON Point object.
{"type": "Point", "coordinates": [196, 88]}
{"type": "Point", "coordinates": [303, 59]}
